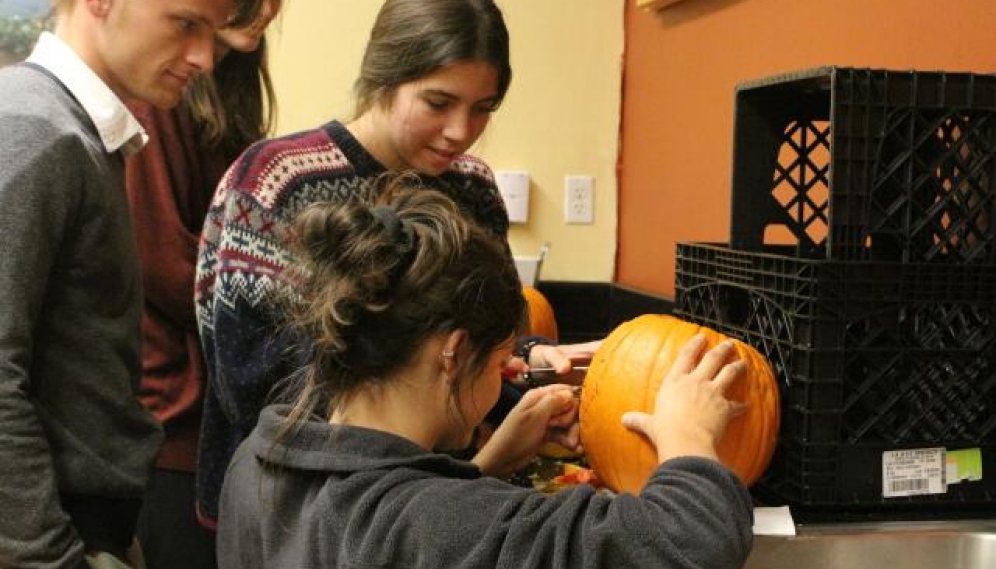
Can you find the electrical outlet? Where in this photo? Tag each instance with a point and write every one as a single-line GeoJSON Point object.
{"type": "Point", "coordinates": [579, 199]}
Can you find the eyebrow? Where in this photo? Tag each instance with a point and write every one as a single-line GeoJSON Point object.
{"type": "Point", "coordinates": [193, 15]}
{"type": "Point", "coordinates": [446, 94]}
{"type": "Point", "coordinates": [439, 93]}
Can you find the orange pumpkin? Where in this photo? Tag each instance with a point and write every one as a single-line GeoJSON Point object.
{"type": "Point", "coordinates": [541, 319]}
{"type": "Point", "coordinates": [625, 375]}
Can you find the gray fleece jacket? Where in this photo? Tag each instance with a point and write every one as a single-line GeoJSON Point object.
{"type": "Point", "coordinates": [354, 497]}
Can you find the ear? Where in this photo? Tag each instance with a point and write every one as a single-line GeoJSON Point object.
{"type": "Point", "coordinates": [451, 354]}
{"type": "Point", "coordinates": [99, 8]}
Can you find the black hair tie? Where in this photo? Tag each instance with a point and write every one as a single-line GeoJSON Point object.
{"type": "Point", "coordinates": [399, 230]}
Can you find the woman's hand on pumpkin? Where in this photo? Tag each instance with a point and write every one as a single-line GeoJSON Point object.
{"type": "Point", "coordinates": [543, 414]}
{"type": "Point", "coordinates": [580, 353]}
{"type": "Point", "coordinates": [563, 357]}
{"type": "Point", "coordinates": [691, 411]}
{"type": "Point", "coordinates": [563, 428]}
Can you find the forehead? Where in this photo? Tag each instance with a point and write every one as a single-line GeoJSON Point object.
{"type": "Point", "coordinates": [470, 80]}
{"type": "Point", "coordinates": [214, 13]}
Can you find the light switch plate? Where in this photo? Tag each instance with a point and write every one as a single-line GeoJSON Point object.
{"type": "Point", "coordinates": [514, 189]}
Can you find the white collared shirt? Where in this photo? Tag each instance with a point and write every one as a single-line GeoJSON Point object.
{"type": "Point", "coordinates": [118, 128]}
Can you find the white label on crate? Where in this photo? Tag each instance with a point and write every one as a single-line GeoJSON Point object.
{"type": "Point", "coordinates": [914, 471]}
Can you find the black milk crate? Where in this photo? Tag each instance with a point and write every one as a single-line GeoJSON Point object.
{"type": "Point", "coordinates": [867, 165]}
{"type": "Point", "coordinates": [870, 357]}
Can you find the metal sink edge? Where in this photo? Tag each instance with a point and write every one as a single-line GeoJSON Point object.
{"type": "Point", "coordinates": [947, 544]}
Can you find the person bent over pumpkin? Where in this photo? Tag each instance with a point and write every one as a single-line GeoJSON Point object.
{"type": "Point", "coordinates": [411, 311]}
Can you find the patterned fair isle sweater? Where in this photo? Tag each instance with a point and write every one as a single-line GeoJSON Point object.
{"type": "Point", "coordinates": [244, 247]}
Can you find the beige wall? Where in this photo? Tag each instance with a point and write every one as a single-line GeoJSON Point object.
{"type": "Point", "coordinates": [561, 115]}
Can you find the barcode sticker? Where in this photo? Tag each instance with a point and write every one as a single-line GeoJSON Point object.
{"type": "Point", "coordinates": [912, 472]}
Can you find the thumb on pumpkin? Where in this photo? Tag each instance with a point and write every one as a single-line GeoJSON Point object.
{"type": "Point", "coordinates": [638, 422]}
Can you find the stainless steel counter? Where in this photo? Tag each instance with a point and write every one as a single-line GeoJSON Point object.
{"type": "Point", "coordinates": [962, 544]}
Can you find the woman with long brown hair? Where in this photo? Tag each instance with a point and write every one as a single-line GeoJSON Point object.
{"type": "Point", "coordinates": [170, 184]}
{"type": "Point", "coordinates": [432, 74]}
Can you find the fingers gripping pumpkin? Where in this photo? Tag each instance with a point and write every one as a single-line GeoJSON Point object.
{"type": "Point", "coordinates": [542, 322]}
{"type": "Point", "coordinates": [625, 376]}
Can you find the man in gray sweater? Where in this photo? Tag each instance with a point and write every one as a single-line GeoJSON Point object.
{"type": "Point", "coordinates": [75, 445]}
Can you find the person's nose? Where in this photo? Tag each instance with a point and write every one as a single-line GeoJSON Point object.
{"type": "Point", "coordinates": [458, 126]}
{"type": "Point", "coordinates": [201, 52]}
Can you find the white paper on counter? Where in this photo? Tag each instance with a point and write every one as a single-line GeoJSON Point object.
{"type": "Point", "coordinates": [773, 521]}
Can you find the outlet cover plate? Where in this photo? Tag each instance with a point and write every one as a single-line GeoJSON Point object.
{"type": "Point", "coordinates": [579, 199]}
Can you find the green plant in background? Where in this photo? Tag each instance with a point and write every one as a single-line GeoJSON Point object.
{"type": "Point", "coordinates": [18, 34]}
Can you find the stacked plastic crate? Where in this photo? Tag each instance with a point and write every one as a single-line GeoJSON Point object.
{"type": "Point", "coordinates": [862, 262]}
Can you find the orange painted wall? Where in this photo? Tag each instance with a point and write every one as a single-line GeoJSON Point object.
{"type": "Point", "coordinates": [681, 68]}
